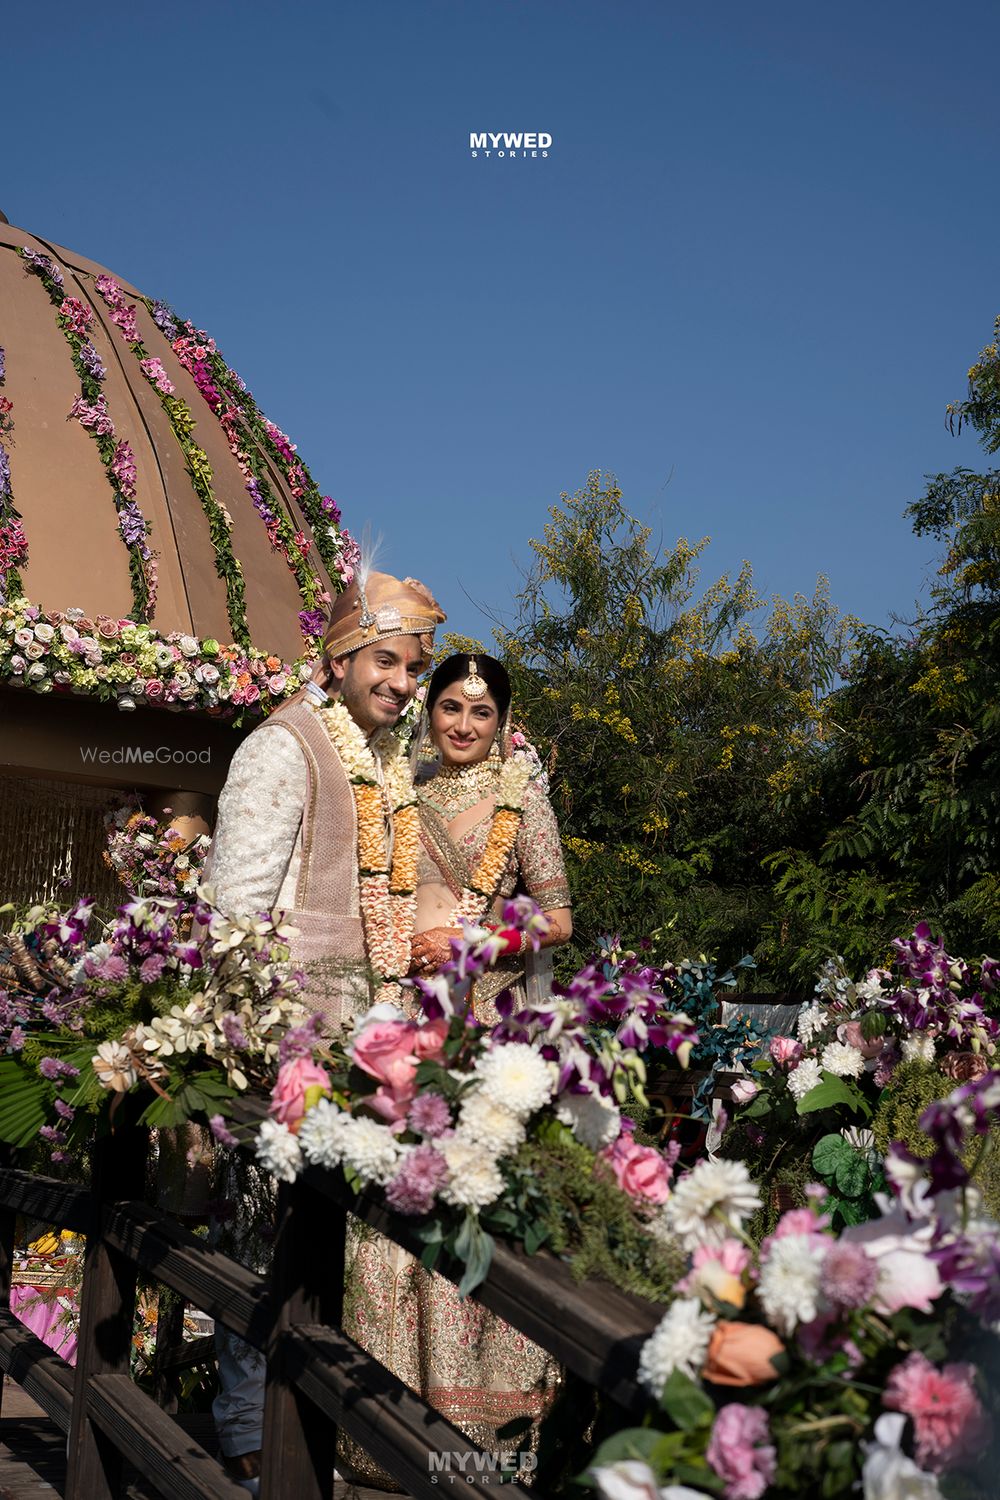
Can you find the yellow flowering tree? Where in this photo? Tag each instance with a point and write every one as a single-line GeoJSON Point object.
{"type": "Point", "coordinates": [679, 723]}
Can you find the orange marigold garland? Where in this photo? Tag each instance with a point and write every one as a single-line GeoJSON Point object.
{"type": "Point", "coordinates": [387, 866]}
{"type": "Point", "coordinates": [477, 896]}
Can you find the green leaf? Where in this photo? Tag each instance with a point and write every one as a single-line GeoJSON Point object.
{"type": "Point", "coordinates": [686, 1404]}
{"type": "Point", "coordinates": [828, 1152]}
{"type": "Point", "coordinates": [633, 1442]}
{"type": "Point", "coordinates": [534, 1237]}
{"type": "Point", "coordinates": [833, 1091]}
{"type": "Point", "coordinates": [852, 1175]}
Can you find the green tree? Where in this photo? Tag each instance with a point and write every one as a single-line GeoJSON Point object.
{"type": "Point", "coordinates": [673, 730]}
{"type": "Point", "coordinates": [908, 787]}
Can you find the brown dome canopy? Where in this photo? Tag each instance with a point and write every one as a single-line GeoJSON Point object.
{"type": "Point", "coordinates": [143, 492]}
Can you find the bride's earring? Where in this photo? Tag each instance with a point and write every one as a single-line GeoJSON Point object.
{"type": "Point", "coordinates": [494, 760]}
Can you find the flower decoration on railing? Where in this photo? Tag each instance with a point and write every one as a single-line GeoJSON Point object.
{"type": "Point", "coordinates": [824, 1364]}
{"type": "Point", "coordinates": [439, 1111]}
{"type": "Point", "coordinates": [91, 1009]}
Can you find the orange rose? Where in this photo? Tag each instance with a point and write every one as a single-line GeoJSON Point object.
{"type": "Point", "coordinates": [741, 1354]}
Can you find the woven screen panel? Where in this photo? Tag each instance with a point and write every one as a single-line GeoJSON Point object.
{"type": "Point", "coordinates": [52, 842]}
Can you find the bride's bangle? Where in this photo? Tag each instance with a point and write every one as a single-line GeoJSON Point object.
{"type": "Point", "coordinates": [513, 939]}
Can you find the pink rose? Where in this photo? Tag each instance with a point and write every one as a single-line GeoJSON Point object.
{"type": "Point", "coordinates": [154, 690]}
{"type": "Point", "coordinates": [639, 1171]}
{"type": "Point", "coordinates": [785, 1050]}
{"type": "Point", "coordinates": [851, 1033]}
{"type": "Point", "coordinates": [385, 1050]}
{"type": "Point", "coordinates": [288, 1097]}
{"type": "Point", "coordinates": [109, 629]}
{"type": "Point", "coordinates": [743, 1090]}
{"type": "Point", "coordinates": [429, 1039]}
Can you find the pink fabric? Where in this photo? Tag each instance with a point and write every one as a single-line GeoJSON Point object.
{"type": "Point", "coordinates": [44, 1316]}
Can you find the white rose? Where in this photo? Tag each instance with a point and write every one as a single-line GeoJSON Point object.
{"type": "Point", "coordinates": [44, 633]}
{"type": "Point", "coordinates": [36, 672]}
{"type": "Point", "coordinates": [23, 638]}
{"type": "Point", "coordinates": [888, 1474]}
{"type": "Point", "coordinates": [188, 645]}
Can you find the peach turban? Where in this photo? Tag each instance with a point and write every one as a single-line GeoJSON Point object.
{"type": "Point", "coordinates": [381, 608]}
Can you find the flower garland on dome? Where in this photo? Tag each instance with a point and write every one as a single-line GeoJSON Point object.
{"type": "Point", "coordinates": [193, 349]}
{"type": "Point", "coordinates": [220, 522]}
{"type": "Point", "coordinates": [219, 383]}
{"type": "Point", "coordinates": [129, 662]}
{"type": "Point", "coordinates": [477, 896]}
{"type": "Point", "coordinates": [13, 542]}
{"type": "Point", "coordinates": [91, 410]}
{"type": "Point", "coordinates": [388, 883]}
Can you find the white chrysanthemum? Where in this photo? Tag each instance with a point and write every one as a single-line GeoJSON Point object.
{"type": "Point", "coordinates": [323, 1134]}
{"type": "Point", "coordinates": [919, 1048]}
{"type": "Point", "coordinates": [843, 1059]}
{"type": "Point", "coordinates": [515, 1075]}
{"type": "Point", "coordinates": [679, 1342]}
{"type": "Point", "coordinates": [492, 1125]}
{"type": "Point", "coordinates": [474, 1179]}
{"type": "Point", "coordinates": [278, 1151]}
{"type": "Point", "coordinates": [710, 1201]}
{"type": "Point", "coordinates": [370, 1149]}
{"type": "Point", "coordinates": [811, 1022]}
{"type": "Point", "coordinates": [788, 1289]}
{"type": "Point", "coordinates": [804, 1077]}
{"type": "Point", "coordinates": [594, 1120]}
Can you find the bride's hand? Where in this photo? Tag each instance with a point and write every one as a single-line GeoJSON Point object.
{"type": "Point", "coordinates": [430, 949]}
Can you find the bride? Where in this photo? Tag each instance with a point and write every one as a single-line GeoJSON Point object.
{"type": "Point", "coordinates": [487, 831]}
{"type": "Point", "coordinates": [473, 859]}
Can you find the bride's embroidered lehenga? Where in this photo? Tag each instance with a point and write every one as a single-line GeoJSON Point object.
{"type": "Point", "coordinates": [465, 1361]}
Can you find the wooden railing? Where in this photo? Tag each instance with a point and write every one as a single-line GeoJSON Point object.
{"type": "Point", "coordinates": [318, 1379]}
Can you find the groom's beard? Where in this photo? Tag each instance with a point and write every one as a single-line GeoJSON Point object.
{"type": "Point", "coordinates": [371, 705]}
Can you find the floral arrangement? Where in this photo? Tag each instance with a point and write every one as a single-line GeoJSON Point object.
{"type": "Point", "coordinates": [827, 1364]}
{"type": "Point", "coordinates": [152, 859]}
{"type": "Point", "coordinates": [446, 1116]}
{"type": "Point", "coordinates": [129, 663]}
{"type": "Point", "coordinates": [13, 543]}
{"type": "Point", "coordinates": [90, 1010]}
{"type": "Point", "coordinates": [812, 1097]}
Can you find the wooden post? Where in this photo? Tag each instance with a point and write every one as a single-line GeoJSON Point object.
{"type": "Point", "coordinates": [107, 1310]}
{"type": "Point", "coordinates": [307, 1285]}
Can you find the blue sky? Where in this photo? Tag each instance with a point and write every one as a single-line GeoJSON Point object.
{"type": "Point", "coordinates": [753, 269]}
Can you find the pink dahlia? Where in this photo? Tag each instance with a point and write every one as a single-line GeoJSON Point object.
{"type": "Point", "coordinates": [849, 1275]}
{"type": "Point", "coordinates": [948, 1420]}
{"type": "Point", "coordinates": [739, 1452]}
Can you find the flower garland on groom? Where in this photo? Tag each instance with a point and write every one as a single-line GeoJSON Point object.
{"type": "Point", "coordinates": [318, 816]}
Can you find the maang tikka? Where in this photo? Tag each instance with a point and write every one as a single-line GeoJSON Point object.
{"type": "Point", "coordinates": [474, 687]}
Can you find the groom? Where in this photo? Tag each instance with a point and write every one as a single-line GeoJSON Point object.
{"type": "Point", "coordinates": [286, 838]}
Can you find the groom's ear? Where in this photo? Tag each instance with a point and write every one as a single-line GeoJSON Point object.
{"type": "Point", "coordinates": [337, 669]}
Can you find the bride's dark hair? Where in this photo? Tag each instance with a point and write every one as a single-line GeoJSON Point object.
{"type": "Point", "coordinates": [455, 669]}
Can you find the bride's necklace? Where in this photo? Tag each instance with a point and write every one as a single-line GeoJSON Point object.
{"type": "Point", "coordinates": [457, 788]}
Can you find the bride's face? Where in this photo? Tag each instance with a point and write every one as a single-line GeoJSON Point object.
{"type": "Point", "coordinates": [463, 729]}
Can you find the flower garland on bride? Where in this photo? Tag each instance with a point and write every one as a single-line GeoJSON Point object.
{"type": "Point", "coordinates": [512, 783]}
{"type": "Point", "coordinates": [384, 798]}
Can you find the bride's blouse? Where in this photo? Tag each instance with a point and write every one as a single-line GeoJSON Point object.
{"type": "Point", "coordinates": [536, 861]}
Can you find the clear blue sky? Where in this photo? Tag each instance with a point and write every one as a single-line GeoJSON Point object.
{"type": "Point", "coordinates": [757, 263]}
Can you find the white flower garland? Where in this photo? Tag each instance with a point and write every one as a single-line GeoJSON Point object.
{"type": "Point", "coordinates": [512, 783]}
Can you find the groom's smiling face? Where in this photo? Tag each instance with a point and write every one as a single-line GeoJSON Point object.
{"type": "Point", "coordinates": [376, 683]}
